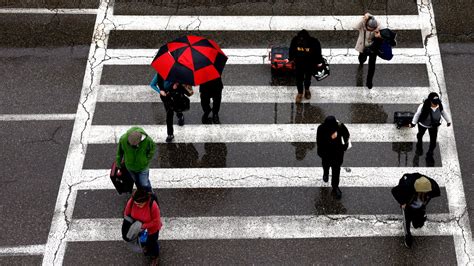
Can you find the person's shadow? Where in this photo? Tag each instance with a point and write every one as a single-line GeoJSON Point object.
{"type": "Point", "coordinates": [178, 155]}
{"type": "Point", "coordinates": [327, 204]}
{"type": "Point", "coordinates": [360, 76]}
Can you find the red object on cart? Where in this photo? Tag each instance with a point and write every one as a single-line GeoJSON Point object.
{"type": "Point", "coordinates": [279, 59]}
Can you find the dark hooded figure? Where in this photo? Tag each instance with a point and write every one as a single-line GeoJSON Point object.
{"type": "Point", "coordinates": [413, 192]}
{"type": "Point", "coordinates": [305, 52]}
{"type": "Point", "coordinates": [333, 140]}
{"type": "Point", "coordinates": [428, 117]}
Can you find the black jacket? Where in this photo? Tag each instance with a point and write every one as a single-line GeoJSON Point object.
{"type": "Point", "coordinates": [305, 50]}
{"type": "Point", "coordinates": [405, 192]}
{"type": "Point", "coordinates": [212, 85]}
{"type": "Point", "coordinates": [329, 148]}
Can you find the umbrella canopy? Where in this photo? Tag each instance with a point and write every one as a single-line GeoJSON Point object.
{"type": "Point", "coordinates": [190, 60]}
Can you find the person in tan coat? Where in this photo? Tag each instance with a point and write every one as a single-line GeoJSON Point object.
{"type": "Point", "coordinates": [369, 28]}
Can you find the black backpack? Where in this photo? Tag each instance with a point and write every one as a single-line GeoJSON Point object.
{"type": "Point", "coordinates": [180, 101]}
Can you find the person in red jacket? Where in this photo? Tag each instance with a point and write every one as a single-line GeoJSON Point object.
{"type": "Point", "coordinates": [143, 208]}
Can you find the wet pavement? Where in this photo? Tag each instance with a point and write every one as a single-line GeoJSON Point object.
{"type": "Point", "coordinates": [43, 59]}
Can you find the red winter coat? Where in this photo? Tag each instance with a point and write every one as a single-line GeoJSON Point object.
{"type": "Point", "coordinates": [150, 218]}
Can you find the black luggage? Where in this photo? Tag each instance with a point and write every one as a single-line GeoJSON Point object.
{"type": "Point", "coordinates": [122, 183]}
{"type": "Point", "coordinates": [403, 119]}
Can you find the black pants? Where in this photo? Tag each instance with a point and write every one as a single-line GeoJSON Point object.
{"type": "Point", "coordinates": [206, 96]}
{"type": "Point", "coordinates": [152, 247]}
{"type": "Point", "coordinates": [415, 217]}
{"type": "Point", "coordinates": [169, 113]}
{"type": "Point", "coordinates": [336, 171]}
{"type": "Point", "coordinates": [372, 60]}
{"type": "Point", "coordinates": [433, 131]}
{"type": "Point", "coordinates": [303, 75]}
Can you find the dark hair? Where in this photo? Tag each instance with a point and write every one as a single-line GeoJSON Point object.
{"type": "Point", "coordinates": [425, 110]}
{"type": "Point", "coordinates": [141, 195]}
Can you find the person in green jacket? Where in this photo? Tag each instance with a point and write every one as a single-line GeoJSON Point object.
{"type": "Point", "coordinates": [136, 149]}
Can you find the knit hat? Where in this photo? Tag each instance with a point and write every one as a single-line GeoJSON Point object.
{"type": "Point", "coordinates": [371, 23]}
{"type": "Point", "coordinates": [331, 124]}
{"type": "Point", "coordinates": [422, 184]}
{"type": "Point", "coordinates": [134, 138]}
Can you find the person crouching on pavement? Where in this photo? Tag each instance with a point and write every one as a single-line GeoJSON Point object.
{"type": "Point", "coordinates": [166, 89]}
{"type": "Point", "coordinates": [369, 29]}
{"type": "Point", "coordinates": [136, 149]}
{"type": "Point", "coordinates": [211, 89]}
{"type": "Point", "coordinates": [305, 52]}
{"type": "Point", "coordinates": [333, 140]}
{"type": "Point", "coordinates": [141, 207]}
{"type": "Point", "coordinates": [413, 192]}
{"type": "Point", "coordinates": [428, 117]}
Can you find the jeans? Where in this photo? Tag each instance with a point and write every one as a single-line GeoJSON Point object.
{"type": "Point", "coordinates": [372, 60]}
{"type": "Point", "coordinates": [336, 171]}
{"type": "Point", "coordinates": [152, 247]}
{"type": "Point", "coordinates": [141, 179]}
{"type": "Point", "coordinates": [433, 131]}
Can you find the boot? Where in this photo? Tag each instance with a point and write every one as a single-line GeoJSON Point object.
{"type": "Point", "coordinates": [307, 94]}
{"type": "Point", "coordinates": [299, 97]}
{"type": "Point", "coordinates": [169, 138]}
{"type": "Point", "coordinates": [408, 240]}
{"type": "Point", "coordinates": [215, 119]}
{"type": "Point", "coordinates": [205, 119]}
{"type": "Point", "coordinates": [181, 121]}
{"type": "Point", "coordinates": [326, 178]}
{"type": "Point", "coordinates": [337, 193]}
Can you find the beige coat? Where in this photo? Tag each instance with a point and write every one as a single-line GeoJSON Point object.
{"type": "Point", "coordinates": [361, 43]}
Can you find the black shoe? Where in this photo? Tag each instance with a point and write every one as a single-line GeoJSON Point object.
{"type": "Point", "coordinates": [181, 121]}
{"type": "Point", "coordinates": [337, 193]}
{"type": "Point", "coordinates": [215, 119]}
{"type": "Point", "coordinates": [169, 138]}
{"type": "Point", "coordinates": [205, 119]}
{"type": "Point", "coordinates": [369, 85]}
{"type": "Point", "coordinates": [325, 178]}
{"type": "Point", "coordinates": [408, 240]}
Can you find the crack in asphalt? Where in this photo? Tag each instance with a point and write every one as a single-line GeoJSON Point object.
{"type": "Point", "coordinates": [99, 36]}
{"type": "Point", "coordinates": [52, 138]}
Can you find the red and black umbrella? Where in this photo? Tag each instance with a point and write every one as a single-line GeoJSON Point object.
{"type": "Point", "coordinates": [190, 60]}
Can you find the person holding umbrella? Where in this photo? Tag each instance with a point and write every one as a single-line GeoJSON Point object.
{"type": "Point", "coordinates": [413, 192]}
{"type": "Point", "coordinates": [190, 60]}
{"type": "Point", "coordinates": [333, 140]}
{"type": "Point", "coordinates": [172, 94]}
{"type": "Point", "coordinates": [211, 90]}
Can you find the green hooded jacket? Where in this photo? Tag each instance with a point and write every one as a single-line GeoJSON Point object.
{"type": "Point", "coordinates": [136, 159]}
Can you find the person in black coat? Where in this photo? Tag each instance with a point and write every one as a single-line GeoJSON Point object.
{"type": "Point", "coordinates": [413, 192]}
{"type": "Point", "coordinates": [305, 52]}
{"type": "Point", "coordinates": [333, 140]}
{"type": "Point", "coordinates": [211, 89]}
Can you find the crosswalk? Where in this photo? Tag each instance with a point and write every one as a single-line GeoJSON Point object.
{"type": "Point", "coordinates": [66, 229]}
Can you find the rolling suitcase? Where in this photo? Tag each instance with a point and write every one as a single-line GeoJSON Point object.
{"type": "Point", "coordinates": [403, 119]}
{"type": "Point", "coordinates": [122, 183]}
{"type": "Point", "coordinates": [279, 59]}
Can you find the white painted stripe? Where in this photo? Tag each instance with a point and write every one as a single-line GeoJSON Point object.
{"type": "Point", "coordinates": [256, 23]}
{"type": "Point", "coordinates": [276, 94]}
{"type": "Point", "coordinates": [56, 245]}
{"type": "Point", "coordinates": [463, 243]}
{"type": "Point", "coordinates": [30, 250]}
{"type": "Point", "coordinates": [260, 56]}
{"type": "Point", "coordinates": [105, 134]}
{"type": "Point", "coordinates": [263, 177]}
{"type": "Point", "coordinates": [266, 227]}
{"type": "Point", "coordinates": [68, 11]}
{"type": "Point", "coordinates": [36, 117]}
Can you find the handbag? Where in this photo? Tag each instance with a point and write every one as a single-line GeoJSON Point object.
{"type": "Point", "coordinates": [323, 71]}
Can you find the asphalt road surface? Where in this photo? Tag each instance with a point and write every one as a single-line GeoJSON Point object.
{"type": "Point", "coordinates": [75, 77]}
